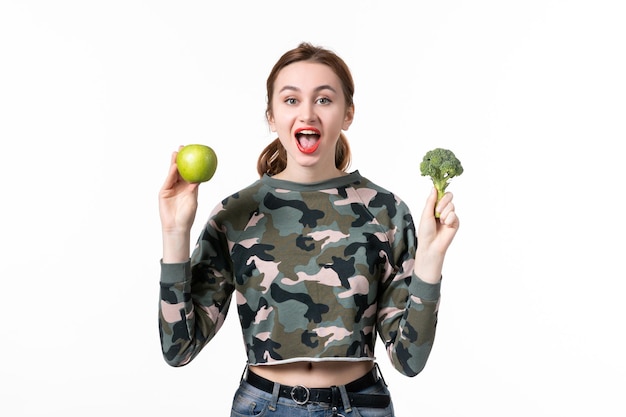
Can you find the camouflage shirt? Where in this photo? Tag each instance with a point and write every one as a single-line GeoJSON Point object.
{"type": "Point", "coordinates": [318, 270]}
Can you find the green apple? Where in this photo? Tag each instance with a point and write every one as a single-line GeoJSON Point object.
{"type": "Point", "coordinates": [196, 163]}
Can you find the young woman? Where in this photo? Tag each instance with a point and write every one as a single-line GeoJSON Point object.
{"type": "Point", "coordinates": [321, 261]}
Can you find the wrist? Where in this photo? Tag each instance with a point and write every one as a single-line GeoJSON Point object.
{"type": "Point", "coordinates": [428, 267]}
{"type": "Point", "coordinates": [175, 247]}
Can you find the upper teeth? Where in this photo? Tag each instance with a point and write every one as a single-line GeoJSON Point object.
{"type": "Point", "coordinates": [308, 132]}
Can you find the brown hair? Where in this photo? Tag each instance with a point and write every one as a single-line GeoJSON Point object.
{"type": "Point", "coordinates": [273, 159]}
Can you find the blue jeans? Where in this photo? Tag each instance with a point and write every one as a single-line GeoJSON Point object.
{"type": "Point", "coordinates": [253, 402]}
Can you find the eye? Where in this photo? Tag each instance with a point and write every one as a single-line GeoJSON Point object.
{"type": "Point", "coordinates": [324, 100]}
{"type": "Point", "coordinates": [290, 100]}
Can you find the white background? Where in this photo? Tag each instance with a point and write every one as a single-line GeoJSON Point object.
{"type": "Point", "coordinates": [94, 96]}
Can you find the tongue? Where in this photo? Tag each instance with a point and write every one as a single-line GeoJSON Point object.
{"type": "Point", "coordinates": [307, 141]}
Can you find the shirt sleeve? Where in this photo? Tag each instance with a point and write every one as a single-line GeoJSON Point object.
{"type": "Point", "coordinates": [194, 298]}
{"type": "Point", "coordinates": [408, 306]}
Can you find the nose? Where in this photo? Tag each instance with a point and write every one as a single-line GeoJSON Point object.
{"type": "Point", "coordinates": [307, 113]}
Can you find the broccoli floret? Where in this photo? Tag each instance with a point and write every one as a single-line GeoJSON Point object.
{"type": "Point", "coordinates": [440, 165]}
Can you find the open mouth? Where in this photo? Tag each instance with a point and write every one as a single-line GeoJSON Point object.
{"type": "Point", "coordinates": [308, 140]}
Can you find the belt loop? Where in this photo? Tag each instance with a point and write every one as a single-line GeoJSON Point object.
{"type": "Point", "coordinates": [334, 396]}
{"type": "Point", "coordinates": [275, 393]}
{"type": "Point", "coordinates": [344, 399]}
{"type": "Point", "coordinates": [380, 374]}
{"type": "Point", "coordinates": [243, 374]}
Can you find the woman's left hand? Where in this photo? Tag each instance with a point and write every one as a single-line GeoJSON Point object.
{"type": "Point", "coordinates": [434, 235]}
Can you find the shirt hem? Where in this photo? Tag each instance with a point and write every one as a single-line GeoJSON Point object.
{"type": "Point", "coordinates": [304, 359]}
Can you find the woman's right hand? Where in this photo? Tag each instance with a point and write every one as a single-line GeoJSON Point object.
{"type": "Point", "coordinates": [178, 202]}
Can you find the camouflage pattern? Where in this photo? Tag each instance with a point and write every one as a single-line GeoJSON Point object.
{"type": "Point", "coordinates": [317, 271]}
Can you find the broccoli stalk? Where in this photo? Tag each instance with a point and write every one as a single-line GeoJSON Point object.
{"type": "Point", "coordinates": [440, 165]}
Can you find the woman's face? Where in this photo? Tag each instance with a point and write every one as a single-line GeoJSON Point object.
{"type": "Point", "coordinates": [308, 114]}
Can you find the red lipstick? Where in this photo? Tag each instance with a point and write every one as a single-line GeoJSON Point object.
{"type": "Point", "coordinates": [307, 139]}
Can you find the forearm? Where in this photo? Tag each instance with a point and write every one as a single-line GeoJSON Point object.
{"type": "Point", "coordinates": [408, 319]}
{"type": "Point", "coordinates": [411, 348]}
{"type": "Point", "coordinates": [180, 341]}
{"type": "Point", "coordinates": [188, 320]}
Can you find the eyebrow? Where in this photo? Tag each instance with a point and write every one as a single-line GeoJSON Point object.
{"type": "Point", "coordinates": [317, 89]}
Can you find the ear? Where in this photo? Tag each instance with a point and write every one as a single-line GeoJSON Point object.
{"type": "Point", "coordinates": [349, 117]}
{"type": "Point", "coordinates": [270, 121]}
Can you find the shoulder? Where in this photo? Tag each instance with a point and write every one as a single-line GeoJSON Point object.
{"type": "Point", "coordinates": [376, 196]}
{"type": "Point", "coordinates": [242, 202]}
